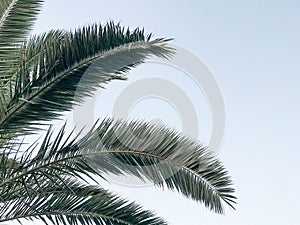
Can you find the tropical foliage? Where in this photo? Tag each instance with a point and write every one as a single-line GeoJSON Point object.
{"type": "Point", "coordinates": [39, 76]}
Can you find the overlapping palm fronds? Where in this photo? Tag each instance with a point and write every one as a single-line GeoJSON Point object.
{"type": "Point", "coordinates": [46, 75]}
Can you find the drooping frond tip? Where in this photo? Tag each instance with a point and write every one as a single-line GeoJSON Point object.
{"type": "Point", "coordinates": [162, 156]}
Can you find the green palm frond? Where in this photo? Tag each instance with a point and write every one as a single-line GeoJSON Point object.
{"type": "Point", "coordinates": [163, 156]}
{"type": "Point", "coordinates": [56, 66]}
{"type": "Point", "coordinates": [78, 204]}
{"type": "Point", "coordinates": [160, 155]}
{"type": "Point", "coordinates": [16, 20]}
{"type": "Point", "coordinates": [46, 75]}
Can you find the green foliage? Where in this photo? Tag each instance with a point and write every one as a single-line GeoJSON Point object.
{"type": "Point", "coordinates": [50, 202]}
{"type": "Point", "coordinates": [53, 64]}
{"type": "Point", "coordinates": [46, 75]}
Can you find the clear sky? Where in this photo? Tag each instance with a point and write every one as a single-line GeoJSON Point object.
{"type": "Point", "coordinates": [253, 51]}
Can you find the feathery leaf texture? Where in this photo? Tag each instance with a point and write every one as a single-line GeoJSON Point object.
{"type": "Point", "coordinates": [78, 204]}
{"type": "Point", "coordinates": [158, 154]}
{"type": "Point", "coordinates": [61, 68]}
{"type": "Point", "coordinates": [46, 75]}
{"type": "Point", "coordinates": [16, 20]}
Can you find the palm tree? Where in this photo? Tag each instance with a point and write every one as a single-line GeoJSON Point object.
{"type": "Point", "coordinates": [48, 181]}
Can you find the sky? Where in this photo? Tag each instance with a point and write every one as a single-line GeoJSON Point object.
{"type": "Point", "coordinates": [252, 49]}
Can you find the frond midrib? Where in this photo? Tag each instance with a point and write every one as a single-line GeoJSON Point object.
{"type": "Point", "coordinates": [59, 213]}
{"type": "Point", "coordinates": [5, 14]}
{"type": "Point", "coordinates": [117, 151]}
{"type": "Point", "coordinates": [74, 67]}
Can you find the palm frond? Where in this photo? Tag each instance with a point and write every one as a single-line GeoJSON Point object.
{"type": "Point", "coordinates": [160, 155]}
{"type": "Point", "coordinates": [163, 156]}
{"type": "Point", "coordinates": [58, 67]}
{"type": "Point", "coordinates": [16, 20]}
{"type": "Point", "coordinates": [77, 204]}
{"type": "Point", "coordinates": [47, 75]}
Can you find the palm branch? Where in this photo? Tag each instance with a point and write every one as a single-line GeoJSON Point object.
{"type": "Point", "coordinates": [86, 204]}
{"type": "Point", "coordinates": [48, 74]}
{"type": "Point", "coordinates": [54, 64]}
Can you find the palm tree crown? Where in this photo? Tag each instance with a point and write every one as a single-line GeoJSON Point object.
{"type": "Point", "coordinates": [39, 76]}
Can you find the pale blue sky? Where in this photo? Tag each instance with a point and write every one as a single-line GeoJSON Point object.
{"type": "Point", "coordinates": [253, 50]}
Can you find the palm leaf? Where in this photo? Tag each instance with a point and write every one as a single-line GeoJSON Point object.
{"type": "Point", "coordinates": [163, 156]}
{"type": "Point", "coordinates": [48, 80]}
{"type": "Point", "coordinates": [50, 73]}
{"type": "Point", "coordinates": [16, 20]}
{"type": "Point", "coordinates": [77, 204]}
{"type": "Point", "coordinates": [150, 152]}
